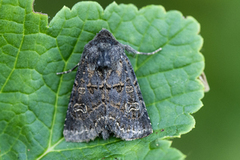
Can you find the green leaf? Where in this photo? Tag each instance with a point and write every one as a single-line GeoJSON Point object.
{"type": "Point", "coordinates": [34, 100]}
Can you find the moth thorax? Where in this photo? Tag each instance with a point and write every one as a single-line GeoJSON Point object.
{"type": "Point", "coordinates": [104, 46]}
{"type": "Point", "coordinates": [104, 60]}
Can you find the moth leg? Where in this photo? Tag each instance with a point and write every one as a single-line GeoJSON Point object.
{"type": "Point", "coordinates": [131, 50]}
{"type": "Point", "coordinates": [69, 70]}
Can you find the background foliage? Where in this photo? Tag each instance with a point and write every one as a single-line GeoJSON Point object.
{"type": "Point", "coordinates": [217, 131]}
{"type": "Point", "coordinates": [34, 99]}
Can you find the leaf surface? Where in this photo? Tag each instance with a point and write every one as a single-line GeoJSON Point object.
{"type": "Point", "coordinates": [34, 100]}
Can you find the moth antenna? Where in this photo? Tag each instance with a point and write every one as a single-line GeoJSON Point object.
{"type": "Point", "coordinates": [131, 50]}
{"type": "Point", "coordinates": [69, 70]}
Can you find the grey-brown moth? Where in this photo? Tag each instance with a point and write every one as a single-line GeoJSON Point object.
{"type": "Point", "coordinates": [106, 97]}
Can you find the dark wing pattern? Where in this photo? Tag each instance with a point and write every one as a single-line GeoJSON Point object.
{"type": "Point", "coordinates": [106, 97]}
{"type": "Point", "coordinates": [86, 113]}
{"type": "Point", "coordinates": [126, 113]}
{"type": "Point", "coordinates": [106, 104]}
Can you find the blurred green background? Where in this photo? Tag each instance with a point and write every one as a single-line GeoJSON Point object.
{"type": "Point", "coordinates": [217, 132]}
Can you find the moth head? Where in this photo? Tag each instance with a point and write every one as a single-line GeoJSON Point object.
{"type": "Point", "coordinates": [109, 57]}
{"type": "Point", "coordinates": [104, 51]}
{"type": "Point", "coordinates": [104, 33]}
{"type": "Point", "coordinates": [103, 55]}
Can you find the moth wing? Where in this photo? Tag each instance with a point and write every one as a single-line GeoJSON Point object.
{"type": "Point", "coordinates": [84, 119]}
{"type": "Point", "coordinates": [126, 111]}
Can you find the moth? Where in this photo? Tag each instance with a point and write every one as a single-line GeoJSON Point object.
{"type": "Point", "coordinates": [106, 97]}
